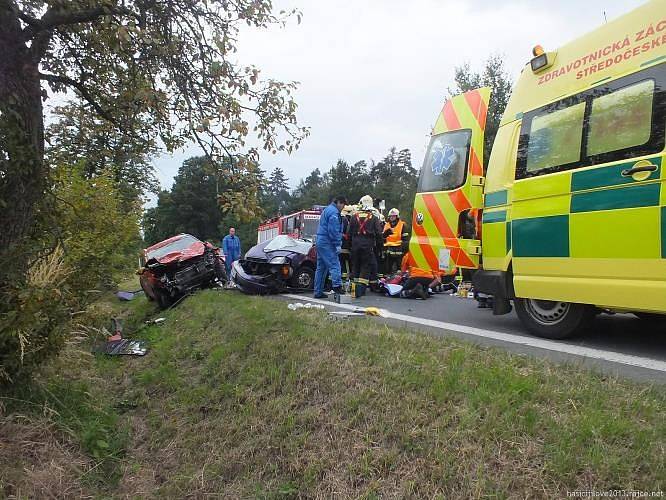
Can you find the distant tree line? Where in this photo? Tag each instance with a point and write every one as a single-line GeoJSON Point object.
{"type": "Point", "coordinates": [191, 204]}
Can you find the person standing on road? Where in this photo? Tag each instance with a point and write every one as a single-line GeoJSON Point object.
{"type": "Point", "coordinates": [365, 231]}
{"type": "Point", "coordinates": [396, 237]}
{"type": "Point", "coordinates": [329, 246]}
{"type": "Point", "coordinates": [345, 254]}
{"type": "Point", "coordinates": [231, 246]}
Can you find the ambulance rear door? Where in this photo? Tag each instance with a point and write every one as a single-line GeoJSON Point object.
{"type": "Point", "coordinates": [450, 190]}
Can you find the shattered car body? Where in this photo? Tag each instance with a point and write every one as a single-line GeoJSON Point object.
{"type": "Point", "coordinates": [276, 265]}
{"type": "Point", "coordinates": [175, 266]}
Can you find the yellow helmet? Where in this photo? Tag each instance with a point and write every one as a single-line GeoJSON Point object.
{"type": "Point", "coordinates": [347, 210]}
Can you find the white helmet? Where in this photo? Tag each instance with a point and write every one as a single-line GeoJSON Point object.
{"type": "Point", "coordinates": [366, 202]}
{"type": "Point", "coordinates": [394, 211]}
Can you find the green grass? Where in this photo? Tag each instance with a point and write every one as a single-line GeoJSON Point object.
{"type": "Point", "coordinates": [240, 397]}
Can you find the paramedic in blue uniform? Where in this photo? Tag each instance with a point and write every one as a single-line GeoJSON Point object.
{"type": "Point", "coordinates": [232, 249]}
{"type": "Point", "coordinates": [329, 246]}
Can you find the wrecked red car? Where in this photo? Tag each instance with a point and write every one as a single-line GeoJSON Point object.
{"type": "Point", "coordinates": [178, 265]}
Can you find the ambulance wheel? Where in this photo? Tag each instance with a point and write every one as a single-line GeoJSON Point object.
{"type": "Point", "coordinates": [553, 320]}
{"type": "Point", "coordinates": [652, 318]}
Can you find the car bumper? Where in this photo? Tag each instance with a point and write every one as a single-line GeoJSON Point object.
{"type": "Point", "coordinates": [254, 284]}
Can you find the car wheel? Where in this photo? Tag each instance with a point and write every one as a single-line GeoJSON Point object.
{"type": "Point", "coordinates": [551, 319]}
{"type": "Point", "coordinates": [147, 289]}
{"type": "Point", "coordinates": [304, 278]}
{"type": "Point", "coordinates": [164, 300]}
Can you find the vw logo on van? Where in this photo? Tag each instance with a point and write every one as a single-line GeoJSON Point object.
{"type": "Point", "coordinates": [419, 218]}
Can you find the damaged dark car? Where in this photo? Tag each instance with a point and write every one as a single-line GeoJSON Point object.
{"type": "Point", "coordinates": [174, 267]}
{"type": "Point", "coordinates": [274, 266]}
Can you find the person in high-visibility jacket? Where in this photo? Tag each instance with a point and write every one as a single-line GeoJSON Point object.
{"type": "Point", "coordinates": [396, 237]}
{"type": "Point", "coordinates": [419, 281]}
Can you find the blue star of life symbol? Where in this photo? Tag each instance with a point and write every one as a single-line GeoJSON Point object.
{"type": "Point", "coordinates": [443, 159]}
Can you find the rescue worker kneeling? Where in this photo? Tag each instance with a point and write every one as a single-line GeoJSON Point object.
{"type": "Point", "coordinates": [365, 231]}
{"type": "Point", "coordinates": [419, 281]}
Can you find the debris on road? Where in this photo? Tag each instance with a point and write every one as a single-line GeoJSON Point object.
{"type": "Point", "coordinates": [368, 311]}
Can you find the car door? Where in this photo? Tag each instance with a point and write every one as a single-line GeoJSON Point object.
{"type": "Point", "coordinates": [588, 213]}
{"type": "Point", "coordinates": [450, 188]}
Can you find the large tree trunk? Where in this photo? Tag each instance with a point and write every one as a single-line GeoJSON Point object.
{"type": "Point", "coordinates": [22, 175]}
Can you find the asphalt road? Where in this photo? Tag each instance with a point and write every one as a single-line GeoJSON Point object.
{"type": "Point", "coordinates": [618, 344]}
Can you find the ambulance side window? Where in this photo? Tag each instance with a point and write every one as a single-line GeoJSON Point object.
{"type": "Point", "coordinates": [621, 119]}
{"type": "Point", "coordinates": [555, 138]}
{"type": "Point", "coordinates": [618, 120]}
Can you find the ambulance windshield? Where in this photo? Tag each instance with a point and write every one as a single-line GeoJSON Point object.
{"type": "Point", "coordinates": [445, 164]}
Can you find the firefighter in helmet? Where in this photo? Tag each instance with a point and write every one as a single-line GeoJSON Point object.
{"type": "Point", "coordinates": [365, 231]}
{"type": "Point", "coordinates": [396, 237]}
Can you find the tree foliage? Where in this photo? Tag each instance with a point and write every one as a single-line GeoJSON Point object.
{"type": "Point", "coordinates": [97, 147]}
{"type": "Point", "coordinates": [146, 75]}
{"type": "Point", "coordinates": [494, 76]}
{"type": "Point", "coordinates": [190, 207]}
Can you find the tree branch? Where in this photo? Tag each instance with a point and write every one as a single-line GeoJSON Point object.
{"type": "Point", "coordinates": [63, 80]}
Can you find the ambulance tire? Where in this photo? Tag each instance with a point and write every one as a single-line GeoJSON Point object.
{"type": "Point", "coordinates": [553, 320]}
{"type": "Point", "coordinates": [652, 318]}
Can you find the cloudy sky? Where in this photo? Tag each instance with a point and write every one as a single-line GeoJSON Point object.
{"type": "Point", "coordinates": [374, 73]}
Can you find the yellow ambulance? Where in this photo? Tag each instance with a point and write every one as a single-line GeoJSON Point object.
{"type": "Point", "coordinates": [569, 218]}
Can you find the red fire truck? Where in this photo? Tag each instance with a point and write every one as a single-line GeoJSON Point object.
{"type": "Point", "coordinates": [302, 224]}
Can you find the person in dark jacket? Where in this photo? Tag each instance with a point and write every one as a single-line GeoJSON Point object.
{"type": "Point", "coordinates": [329, 246]}
{"type": "Point", "coordinates": [365, 231]}
{"type": "Point", "coordinates": [231, 247]}
{"type": "Point", "coordinates": [345, 254]}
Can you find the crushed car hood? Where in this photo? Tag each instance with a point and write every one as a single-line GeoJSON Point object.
{"type": "Point", "coordinates": [284, 242]}
{"type": "Point", "coordinates": [195, 249]}
{"type": "Point", "coordinates": [281, 245]}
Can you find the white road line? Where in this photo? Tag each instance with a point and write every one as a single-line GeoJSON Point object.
{"type": "Point", "coordinates": [586, 352]}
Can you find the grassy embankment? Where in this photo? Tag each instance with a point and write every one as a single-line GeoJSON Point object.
{"type": "Point", "coordinates": [240, 397]}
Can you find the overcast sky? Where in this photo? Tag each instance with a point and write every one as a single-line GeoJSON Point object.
{"type": "Point", "coordinates": [373, 73]}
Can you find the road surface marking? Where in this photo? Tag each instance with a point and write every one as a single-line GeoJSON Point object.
{"type": "Point", "coordinates": [549, 345]}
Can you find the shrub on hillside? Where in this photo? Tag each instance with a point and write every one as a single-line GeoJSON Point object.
{"type": "Point", "coordinates": [99, 239]}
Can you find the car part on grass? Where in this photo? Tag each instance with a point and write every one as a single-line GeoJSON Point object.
{"type": "Point", "coordinates": [156, 321]}
{"type": "Point", "coordinates": [122, 347]}
{"type": "Point", "coordinates": [126, 296]}
{"type": "Point", "coordinates": [300, 305]}
{"type": "Point", "coordinates": [116, 345]}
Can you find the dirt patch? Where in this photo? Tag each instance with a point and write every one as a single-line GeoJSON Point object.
{"type": "Point", "coordinates": [51, 465]}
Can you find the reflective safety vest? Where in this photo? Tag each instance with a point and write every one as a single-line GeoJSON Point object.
{"type": "Point", "coordinates": [407, 265]}
{"type": "Point", "coordinates": [395, 239]}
